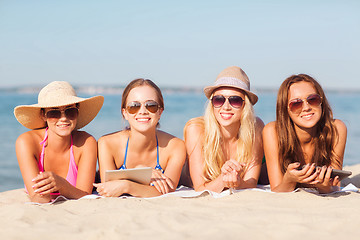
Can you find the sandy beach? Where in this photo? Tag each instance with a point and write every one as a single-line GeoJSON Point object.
{"type": "Point", "coordinates": [247, 214]}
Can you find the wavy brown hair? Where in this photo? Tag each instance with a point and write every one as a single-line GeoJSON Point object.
{"type": "Point", "coordinates": [326, 136]}
{"type": "Point", "coordinates": [138, 83]}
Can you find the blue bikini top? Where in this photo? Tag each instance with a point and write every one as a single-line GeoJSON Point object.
{"type": "Point", "coordinates": [158, 167]}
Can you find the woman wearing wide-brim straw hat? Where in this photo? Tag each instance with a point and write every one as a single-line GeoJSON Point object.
{"type": "Point", "coordinates": [54, 157]}
{"type": "Point", "coordinates": [225, 146]}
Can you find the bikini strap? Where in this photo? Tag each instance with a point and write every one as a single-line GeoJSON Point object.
{"type": "Point", "coordinates": [46, 136]}
{"type": "Point", "coordinates": [41, 160]}
{"type": "Point", "coordinates": [158, 167]}
{"type": "Point", "coordinates": [71, 146]}
{"type": "Point", "coordinates": [126, 149]}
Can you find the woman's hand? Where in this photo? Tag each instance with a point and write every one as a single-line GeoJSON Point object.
{"type": "Point", "coordinates": [307, 175]}
{"type": "Point", "coordinates": [48, 182]}
{"type": "Point", "coordinates": [231, 171]}
{"type": "Point", "coordinates": [325, 183]}
{"type": "Point", "coordinates": [231, 166]}
{"type": "Point", "coordinates": [232, 180]}
{"type": "Point", "coordinates": [161, 182]}
{"type": "Point", "coordinates": [112, 188]}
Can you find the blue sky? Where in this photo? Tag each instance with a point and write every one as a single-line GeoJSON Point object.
{"type": "Point", "coordinates": [178, 43]}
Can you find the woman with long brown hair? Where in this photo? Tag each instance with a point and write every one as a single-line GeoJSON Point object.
{"type": "Point", "coordinates": [305, 143]}
{"type": "Point", "coordinates": [141, 145]}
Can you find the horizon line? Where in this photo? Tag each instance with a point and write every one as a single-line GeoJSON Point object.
{"type": "Point", "coordinates": [116, 88]}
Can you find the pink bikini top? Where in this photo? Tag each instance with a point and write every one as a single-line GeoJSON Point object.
{"type": "Point", "coordinates": [73, 170]}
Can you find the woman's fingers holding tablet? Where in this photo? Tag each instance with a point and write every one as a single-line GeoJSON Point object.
{"type": "Point", "coordinates": [159, 181]}
{"type": "Point", "coordinates": [160, 185]}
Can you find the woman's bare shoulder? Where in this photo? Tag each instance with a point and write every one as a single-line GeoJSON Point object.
{"type": "Point", "coordinates": [198, 121]}
{"type": "Point", "coordinates": [168, 138]}
{"type": "Point", "coordinates": [114, 137]}
{"type": "Point", "coordinates": [340, 125]}
{"type": "Point", "coordinates": [341, 130]}
{"type": "Point", "coordinates": [269, 128]}
{"type": "Point", "coordinates": [171, 145]}
{"type": "Point", "coordinates": [29, 142]}
{"type": "Point", "coordinates": [270, 125]}
{"type": "Point", "coordinates": [82, 138]}
{"type": "Point", "coordinates": [31, 136]}
{"type": "Point", "coordinates": [194, 126]}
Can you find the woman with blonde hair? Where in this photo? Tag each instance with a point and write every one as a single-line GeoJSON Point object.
{"type": "Point", "coordinates": [141, 145]}
{"type": "Point", "coordinates": [225, 146]}
{"type": "Point", "coordinates": [305, 143]}
{"type": "Point", "coordinates": [55, 158]}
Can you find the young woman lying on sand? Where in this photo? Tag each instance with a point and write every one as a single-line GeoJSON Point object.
{"type": "Point", "coordinates": [304, 134]}
{"type": "Point", "coordinates": [225, 146]}
{"type": "Point", "coordinates": [142, 145]}
{"type": "Point", "coordinates": [55, 158]}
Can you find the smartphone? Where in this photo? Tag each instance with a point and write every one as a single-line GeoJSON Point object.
{"type": "Point", "coordinates": [341, 173]}
{"type": "Point", "coordinates": [335, 172]}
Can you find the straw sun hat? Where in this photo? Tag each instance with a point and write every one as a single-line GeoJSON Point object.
{"type": "Point", "coordinates": [233, 77]}
{"type": "Point", "coordinates": [58, 94]}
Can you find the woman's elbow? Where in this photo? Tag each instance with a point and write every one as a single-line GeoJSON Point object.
{"type": "Point", "coordinates": [37, 198]}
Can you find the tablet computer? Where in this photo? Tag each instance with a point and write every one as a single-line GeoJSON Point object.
{"type": "Point", "coordinates": [139, 175]}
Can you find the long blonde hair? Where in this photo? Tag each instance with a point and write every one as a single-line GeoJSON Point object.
{"type": "Point", "coordinates": [213, 154]}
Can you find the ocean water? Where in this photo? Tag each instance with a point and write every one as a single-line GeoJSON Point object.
{"type": "Point", "coordinates": [179, 108]}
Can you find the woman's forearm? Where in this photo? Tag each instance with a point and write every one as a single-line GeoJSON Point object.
{"type": "Point", "coordinates": [286, 185]}
{"type": "Point", "coordinates": [141, 190]}
{"type": "Point", "coordinates": [249, 183]}
{"type": "Point", "coordinates": [216, 185]}
{"type": "Point", "coordinates": [72, 192]}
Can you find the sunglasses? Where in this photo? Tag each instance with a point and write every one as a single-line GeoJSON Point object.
{"type": "Point", "coordinates": [296, 105]}
{"type": "Point", "coordinates": [70, 113]}
{"type": "Point", "coordinates": [134, 107]}
{"type": "Point", "coordinates": [219, 100]}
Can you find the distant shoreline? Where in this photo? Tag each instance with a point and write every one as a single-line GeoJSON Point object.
{"type": "Point", "coordinates": [118, 89]}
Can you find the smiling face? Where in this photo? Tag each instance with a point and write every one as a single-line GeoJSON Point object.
{"type": "Point", "coordinates": [61, 120]}
{"type": "Point", "coordinates": [309, 115]}
{"type": "Point", "coordinates": [143, 120]}
{"type": "Point", "coordinates": [227, 115]}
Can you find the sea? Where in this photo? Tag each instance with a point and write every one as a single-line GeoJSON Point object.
{"type": "Point", "coordinates": [180, 106]}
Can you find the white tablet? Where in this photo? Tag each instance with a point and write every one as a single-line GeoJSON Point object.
{"type": "Point", "coordinates": [139, 175]}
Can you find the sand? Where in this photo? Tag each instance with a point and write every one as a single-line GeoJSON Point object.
{"type": "Point", "coordinates": [244, 215]}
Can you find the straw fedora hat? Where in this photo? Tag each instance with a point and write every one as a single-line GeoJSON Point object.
{"type": "Point", "coordinates": [233, 77]}
{"type": "Point", "coordinates": [58, 94]}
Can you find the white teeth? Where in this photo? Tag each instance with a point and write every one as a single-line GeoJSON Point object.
{"type": "Point", "coordinates": [143, 119]}
{"type": "Point", "coordinates": [226, 115]}
{"type": "Point", "coordinates": [307, 115]}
